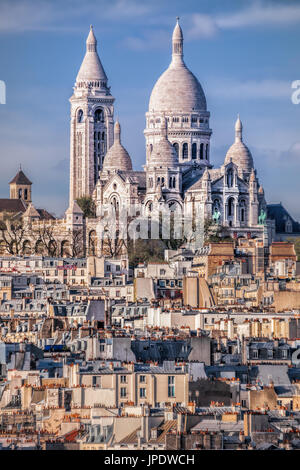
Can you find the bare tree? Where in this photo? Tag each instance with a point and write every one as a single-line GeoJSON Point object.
{"type": "Point", "coordinates": [44, 233]}
{"type": "Point", "coordinates": [77, 247]}
{"type": "Point", "coordinates": [13, 232]}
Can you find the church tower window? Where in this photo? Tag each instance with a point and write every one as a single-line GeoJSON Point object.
{"type": "Point", "coordinates": [201, 151]}
{"type": "Point", "coordinates": [176, 147]}
{"type": "Point", "coordinates": [185, 151]}
{"type": "Point", "coordinates": [206, 153]}
{"type": "Point", "coordinates": [99, 115]}
{"type": "Point", "coordinates": [243, 210]}
{"type": "Point", "coordinates": [80, 116]}
{"type": "Point", "coordinates": [194, 151]}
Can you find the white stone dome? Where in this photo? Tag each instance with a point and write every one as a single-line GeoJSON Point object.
{"type": "Point", "coordinates": [117, 157]}
{"type": "Point", "coordinates": [177, 89]}
{"type": "Point", "coordinates": [239, 153]}
{"type": "Point", "coordinates": [163, 153]}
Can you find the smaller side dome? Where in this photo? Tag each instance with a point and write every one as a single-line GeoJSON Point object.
{"type": "Point", "coordinates": [163, 153]}
{"type": "Point", "coordinates": [117, 157]}
{"type": "Point", "coordinates": [239, 153]}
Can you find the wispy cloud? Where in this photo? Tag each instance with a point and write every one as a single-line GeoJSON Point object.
{"type": "Point", "coordinates": [21, 16]}
{"type": "Point", "coordinates": [154, 39]}
{"type": "Point", "coordinates": [249, 89]}
{"type": "Point", "coordinates": [258, 14]}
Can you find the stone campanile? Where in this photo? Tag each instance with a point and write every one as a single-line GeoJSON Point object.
{"type": "Point", "coordinates": [92, 122]}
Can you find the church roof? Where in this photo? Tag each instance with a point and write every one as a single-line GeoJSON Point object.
{"type": "Point", "coordinates": [31, 211]}
{"type": "Point", "coordinates": [134, 177]}
{"type": "Point", "coordinates": [117, 157]}
{"type": "Point", "coordinates": [91, 67]}
{"type": "Point", "coordinates": [45, 215]}
{"type": "Point", "coordinates": [278, 213]}
{"type": "Point", "coordinates": [20, 178]}
{"type": "Point", "coordinates": [177, 89]}
{"type": "Point", "coordinates": [74, 208]}
{"type": "Point", "coordinates": [12, 205]}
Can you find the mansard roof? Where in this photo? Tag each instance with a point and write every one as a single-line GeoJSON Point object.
{"type": "Point", "coordinates": [278, 213]}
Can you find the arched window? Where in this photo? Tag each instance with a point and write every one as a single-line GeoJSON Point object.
{"type": "Point", "coordinates": [230, 178]}
{"type": "Point", "coordinates": [206, 153]}
{"type": "Point", "coordinates": [230, 207]}
{"type": "Point", "coordinates": [176, 147]}
{"type": "Point", "coordinates": [185, 151]}
{"type": "Point", "coordinates": [99, 115]}
{"type": "Point", "coordinates": [194, 151]}
{"type": "Point", "coordinates": [174, 182]}
{"type": "Point", "coordinates": [243, 210]}
{"type": "Point", "coordinates": [163, 181]}
{"type": "Point", "coordinates": [150, 148]}
{"type": "Point", "coordinates": [80, 116]}
{"type": "Point", "coordinates": [201, 151]}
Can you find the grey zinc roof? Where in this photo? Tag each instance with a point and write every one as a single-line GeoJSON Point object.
{"type": "Point", "coordinates": [265, 373]}
{"type": "Point", "coordinates": [218, 425]}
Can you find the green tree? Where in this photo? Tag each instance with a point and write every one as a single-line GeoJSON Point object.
{"type": "Point", "coordinates": [145, 251]}
{"type": "Point", "coordinates": [87, 205]}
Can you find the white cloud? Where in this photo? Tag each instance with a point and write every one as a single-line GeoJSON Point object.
{"type": "Point", "coordinates": [258, 14]}
{"type": "Point", "coordinates": [150, 40]}
{"type": "Point", "coordinates": [249, 89]}
{"type": "Point", "coordinates": [20, 16]}
{"type": "Point", "coordinates": [201, 26]}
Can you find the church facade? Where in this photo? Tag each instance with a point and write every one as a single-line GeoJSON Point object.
{"type": "Point", "coordinates": [178, 173]}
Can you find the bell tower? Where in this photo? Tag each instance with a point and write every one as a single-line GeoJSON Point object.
{"type": "Point", "coordinates": [92, 122]}
{"type": "Point", "coordinates": [20, 187]}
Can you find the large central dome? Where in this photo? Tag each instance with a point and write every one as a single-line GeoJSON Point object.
{"type": "Point", "coordinates": [177, 89]}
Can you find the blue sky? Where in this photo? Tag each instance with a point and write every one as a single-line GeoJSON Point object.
{"type": "Point", "coordinates": [245, 54]}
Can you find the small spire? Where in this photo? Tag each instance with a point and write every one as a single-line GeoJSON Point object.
{"type": "Point", "coordinates": [238, 130]}
{"type": "Point", "coordinates": [91, 42]}
{"type": "Point", "coordinates": [117, 132]}
{"type": "Point", "coordinates": [177, 43]}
